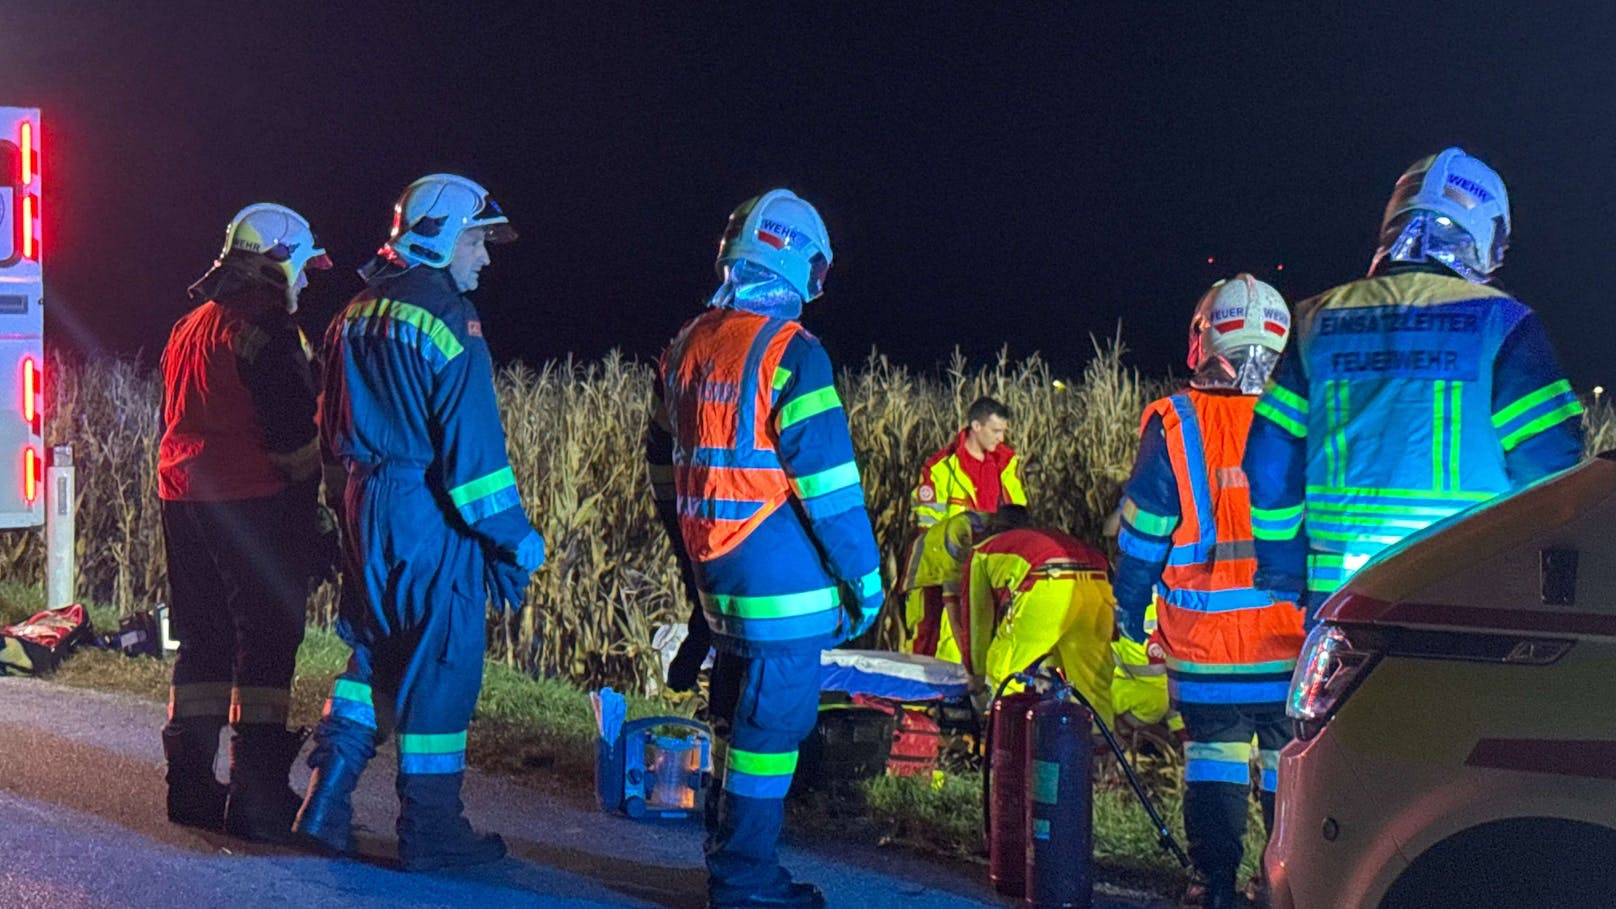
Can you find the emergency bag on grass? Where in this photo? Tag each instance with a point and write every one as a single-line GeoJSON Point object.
{"type": "Point", "coordinates": [39, 645]}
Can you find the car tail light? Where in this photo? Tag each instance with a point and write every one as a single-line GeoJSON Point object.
{"type": "Point", "coordinates": [1334, 662]}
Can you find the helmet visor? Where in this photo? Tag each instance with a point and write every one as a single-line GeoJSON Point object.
{"type": "Point", "coordinates": [493, 219]}
{"type": "Point", "coordinates": [1245, 370]}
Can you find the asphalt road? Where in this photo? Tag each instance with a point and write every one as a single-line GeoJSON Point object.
{"type": "Point", "coordinates": [82, 825]}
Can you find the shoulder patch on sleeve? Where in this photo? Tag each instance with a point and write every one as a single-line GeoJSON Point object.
{"type": "Point", "coordinates": [474, 328]}
{"type": "Point", "coordinates": [927, 493]}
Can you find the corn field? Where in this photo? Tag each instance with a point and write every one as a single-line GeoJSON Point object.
{"type": "Point", "coordinates": [574, 434]}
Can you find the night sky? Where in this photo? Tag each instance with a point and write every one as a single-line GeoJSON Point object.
{"type": "Point", "coordinates": [1022, 175]}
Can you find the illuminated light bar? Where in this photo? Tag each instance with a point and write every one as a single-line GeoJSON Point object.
{"type": "Point", "coordinates": [30, 388]}
{"type": "Point", "coordinates": [29, 247]}
{"type": "Point", "coordinates": [25, 141]}
{"type": "Point", "coordinates": [30, 475]}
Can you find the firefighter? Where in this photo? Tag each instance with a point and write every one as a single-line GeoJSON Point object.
{"type": "Point", "coordinates": [1187, 533]}
{"type": "Point", "coordinates": [771, 513]}
{"type": "Point", "coordinates": [975, 472]}
{"type": "Point", "coordinates": [431, 514]}
{"type": "Point", "coordinates": [238, 479]}
{"type": "Point", "coordinates": [1028, 592]}
{"type": "Point", "coordinates": [1411, 394]}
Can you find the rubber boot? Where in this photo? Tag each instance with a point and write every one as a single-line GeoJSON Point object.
{"type": "Point", "coordinates": [325, 822]}
{"type": "Point", "coordinates": [262, 806]}
{"type": "Point", "coordinates": [433, 832]}
{"type": "Point", "coordinates": [196, 798]}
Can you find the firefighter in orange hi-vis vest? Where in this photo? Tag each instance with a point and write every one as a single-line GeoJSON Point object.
{"type": "Point", "coordinates": [1187, 542]}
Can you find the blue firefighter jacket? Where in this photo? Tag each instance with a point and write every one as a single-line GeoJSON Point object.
{"type": "Point", "coordinates": [409, 388]}
{"type": "Point", "coordinates": [1404, 398]}
{"type": "Point", "coordinates": [787, 584]}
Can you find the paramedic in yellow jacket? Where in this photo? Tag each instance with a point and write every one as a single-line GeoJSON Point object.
{"type": "Point", "coordinates": [1028, 592]}
{"type": "Point", "coordinates": [975, 472]}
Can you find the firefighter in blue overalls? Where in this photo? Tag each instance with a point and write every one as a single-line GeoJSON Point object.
{"type": "Point", "coordinates": [430, 514]}
{"type": "Point", "coordinates": [1407, 396]}
{"type": "Point", "coordinates": [238, 475]}
{"type": "Point", "coordinates": [747, 423]}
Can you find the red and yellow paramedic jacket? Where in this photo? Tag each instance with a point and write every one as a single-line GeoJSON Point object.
{"type": "Point", "coordinates": [946, 488]}
{"type": "Point", "coordinates": [1186, 533]}
{"type": "Point", "coordinates": [1011, 563]}
{"type": "Point", "coordinates": [238, 403]}
{"type": "Point", "coordinates": [749, 442]}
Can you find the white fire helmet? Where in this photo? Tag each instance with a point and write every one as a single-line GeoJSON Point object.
{"type": "Point", "coordinates": [1237, 334]}
{"type": "Point", "coordinates": [432, 213]}
{"type": "Point", "coordinates": [1449, 208]}
{"type": "Point", "coordinates": [278, 234]}
{"type": "Point", "coordinates": [782, 233]}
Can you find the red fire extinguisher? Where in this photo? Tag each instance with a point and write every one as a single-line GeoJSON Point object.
{"type": "Point", "coordinates": [1004, 791]}
{"type": "Point", "coordinates": [1038, 792]}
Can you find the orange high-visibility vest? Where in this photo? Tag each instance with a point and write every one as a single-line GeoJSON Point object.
{"type": "Point", "coordinates": [721, 383]}
{"type": "Point", "coordinates": [1207, 610]}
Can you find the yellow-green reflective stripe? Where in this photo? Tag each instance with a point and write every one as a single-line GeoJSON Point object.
{"type": "Point", "coordinates": [1289, 398]}
{"type": "Point", "coordinates": [428, 324]}
{"type": "Point", "coordinates": [1269, 758]}
{"type": "Point", "coordinates": [1277, 514]}
{"type": "Point", "coordinates": [782, 375]}
{"type": "Point", "coordinates": [1541, 423]}
{"type": "Point", "coordinates": [1143, 521]}
{"type": "Point", "coordinates": [781, 606]}
{"type": "Point", "coordinates": [1412, 511]}
{"type": "Point", "coordinates": [757, 763]}
{"type": "Point", "coordinates": [1456, 429]}
{"type": "Point", "coordinates": [809, 405]}
{"type": "Point", "coordinates": [482, 486]}
{"type": "Point", "coordinates": [1439, 433]}
{"type": "Point", "coordinates": [1413, 522]}
{"type": "Point", "coordinates": [1337, 450]}
{"type": "Point", "coordinates": [1235, 752]}
{"type": "Point", "coordinates": [1398, 493]}
{"type": "Point", "coordinates": [1354, 537]}
{"type": "Point", "coordinates": [1280, 419]}
{"type": "Point", "coordinates": [350, 690]}
{"type": "Point", "coordinates": [817, 484]}
{"type": "Point", "coordinates": [1523, 404]}
{"type": "Point", "coordinates": [1269, 668]}
{"type": "Point", "coordinates": [432, 743]}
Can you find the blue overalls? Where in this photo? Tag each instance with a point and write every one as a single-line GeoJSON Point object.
{"type": "Point", "coordinates": [409, 410]}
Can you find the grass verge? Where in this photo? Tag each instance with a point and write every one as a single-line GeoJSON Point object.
{"type": "Point", "coordinates": [542, 732]}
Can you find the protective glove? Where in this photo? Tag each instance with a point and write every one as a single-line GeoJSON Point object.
{"type": "Point", "coordinates": [1131, 622]}
{"type": "Point", "coordinates": [686, 664]}
{"type": "Point", "coordinates": [506, 583]}
{"type": "Point", "coordinates": [530, 552]}
{"type": "Point", "coordinates": [862, 613]}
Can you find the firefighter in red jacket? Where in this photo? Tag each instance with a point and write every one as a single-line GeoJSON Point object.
{"type": "Point", "coordinates": [1187, 542]}
{"type": "Point", "coordinates": [975, 472]}
{"type": "Point", "coordinates": [238, 477]}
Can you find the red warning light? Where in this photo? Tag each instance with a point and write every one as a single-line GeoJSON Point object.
{"type": "Point", "coordinates": [1210, 260]}
{"type": "Point", "coordinates": [30, 244]}
{"type": "Point", "coordinates": [30, 474]}
{"type": "Point", "coordinates": [30, 390]}
{"type": "Point", "coordinates": [1280, 267]}
{"type": "Point", "coordinates": [25, 141]}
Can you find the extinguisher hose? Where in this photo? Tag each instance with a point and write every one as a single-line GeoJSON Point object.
{"type": "Point", "coordinates": [1164, 836]}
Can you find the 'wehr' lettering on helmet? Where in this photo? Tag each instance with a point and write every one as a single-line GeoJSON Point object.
{"type": "Point", "coordinates": [780, 235]}
{"type": "Point", "coordinates": [1471, 187]}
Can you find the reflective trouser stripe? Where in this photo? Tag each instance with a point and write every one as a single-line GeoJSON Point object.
{"type": "Point", "coordinates": [1269, 759]}
{"type": "Point", "coordinates": [443, 752]}
{"type": "Point", "coordinates": [1217, 762]}
{"type": "Point", "coordinates": [268, 706]}
{"type": "Point", "coordinates": [351, 701]}
{"type": "Point", "coordinates": [199, 699]}
{"type": "Point", "coordinates": [759, 775]}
